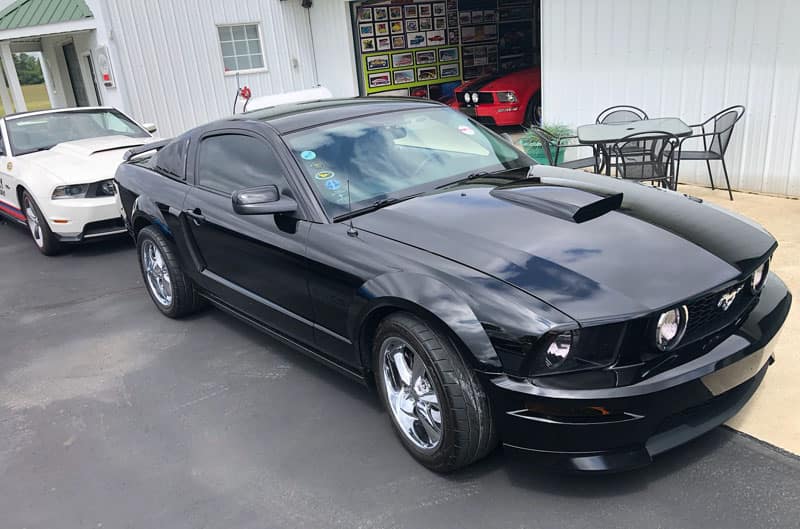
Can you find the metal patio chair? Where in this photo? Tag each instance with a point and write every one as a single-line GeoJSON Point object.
{"type": "Point", "coordinates": [647, 156]}
{"type": "Point", "coordinates": [715, 142]}
{"type": "Point", "coordinates": [621, 114]}
{"type": "Point", "coordinates": [552, 146]}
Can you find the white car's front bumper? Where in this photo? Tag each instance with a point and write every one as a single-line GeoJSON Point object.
{"type": "Point", "coordinates": [76, 219]}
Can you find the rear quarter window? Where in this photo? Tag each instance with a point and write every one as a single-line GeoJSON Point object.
{"type": "Point", "coordinates": [170, 161]}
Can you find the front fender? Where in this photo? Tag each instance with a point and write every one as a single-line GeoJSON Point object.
{"type": "Point", "coordinates": [412, 291]}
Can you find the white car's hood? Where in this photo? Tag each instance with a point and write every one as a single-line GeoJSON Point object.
{"type": "Point", "coordinates": [84, 161]}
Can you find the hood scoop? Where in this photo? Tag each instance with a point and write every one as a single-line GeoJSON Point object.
{"type": "Point", "coordinates": [565, 203]}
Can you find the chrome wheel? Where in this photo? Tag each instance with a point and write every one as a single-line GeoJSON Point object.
{"type": "Point", "coordinates": [155, 270]}
{"type": "Point", "coordinates": [34, 223]}
{"type": "Point", "coordinates": [412, 396]}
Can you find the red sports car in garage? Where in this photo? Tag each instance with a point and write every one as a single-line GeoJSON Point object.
{"type": "Point", "coordinates": [502, 99]}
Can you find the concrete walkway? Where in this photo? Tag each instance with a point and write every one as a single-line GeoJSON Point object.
{"type": "Point", "coordinates": [771, 415]}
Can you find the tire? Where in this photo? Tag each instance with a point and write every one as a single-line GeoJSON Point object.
{"type": "Point", "coordinates": [166, 283]}
{"type": "Point", "coordinates": [40, 231]}
{"type": "Point", "coordinates": [466, 426]}
{"type": "Point", "coordinates": [533, 113]}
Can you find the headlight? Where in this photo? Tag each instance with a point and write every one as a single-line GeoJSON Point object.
{"type": "Point", "coordinates": [759, 277]}
{"type": "Point", "coordinates": [474, 97]}
{"type": "Point", "coordinates": [106, 188]}
{"type": "Point", "coordinates": [576, 350]}
{"type": "Point", "coordinates": [670, 327]}
{"type": "Point", "coordinates": [558, 350]}
{"type": "Point", "coordinates": [71, 191]}
{"type": "Point", "coordinates": [506, 97]}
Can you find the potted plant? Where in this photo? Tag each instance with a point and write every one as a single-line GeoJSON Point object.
{"type": "Point", "coordinates": [530, 142]}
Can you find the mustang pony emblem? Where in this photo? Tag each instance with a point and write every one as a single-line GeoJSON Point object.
{"type": "Point", "coordinates": [727, 299]}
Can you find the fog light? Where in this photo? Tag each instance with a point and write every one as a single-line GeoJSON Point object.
{"type": "Point", "coordinates": [670, 327]}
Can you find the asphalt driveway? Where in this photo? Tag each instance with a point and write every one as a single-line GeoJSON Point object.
{"type": "Point", "coordinates": [113, 416]}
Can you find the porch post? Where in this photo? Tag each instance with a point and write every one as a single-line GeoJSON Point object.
{"type": "Point", "coordinates": [11, 75]}
{"type": "Point", "coordinates": [8, 107]}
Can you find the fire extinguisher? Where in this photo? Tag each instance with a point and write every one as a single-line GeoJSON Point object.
{"type": "Point", "coordinates": [241, 92]}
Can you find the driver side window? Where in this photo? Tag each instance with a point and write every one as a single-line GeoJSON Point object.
{"type": "Point", "coordinates": [231, 162]}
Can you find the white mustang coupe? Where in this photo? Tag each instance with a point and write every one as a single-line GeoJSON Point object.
{"type": "Point", "coordinates": [57, 169]}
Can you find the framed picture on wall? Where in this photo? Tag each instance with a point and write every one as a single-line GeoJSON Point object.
{"type": "Point", "coordinates": [399, 42]}
{"type": "Point", "coordinates": [425, 57]}
{"type": "Point", "coordinates": [427, 74]}
{"type": "Point", "coordinates": [380, 13]}
{"type": "Point", "coordinates": [367, 45]}
{"type": "Point", "coordinates": [379, 79]}
{"type": "Point", "coordinates": [452, 19]}
{"type": "Point", "coordinates": [395, 13]}
{"type": "Point", "coordinates": [439, 23]}
{"type": "Point", "coordinates": [449, 70]}
{"type": "Point", "coordinates": [410, 11]}
{"type": "Point", "coordinates": [464, 17]}
{"type": "Point", "coordinates": [425, 24]}
{"type": "Point", "coordinates": [366, 30]}
{"type": "Point", "coordinates": [448, 54]}
{"type": "Point", "coordinates": [412, 25]}
{"type": "Point", "coordinates": [416, 40]}
{"type": "Point", "coordinates": [396, 27]}
{"type": "Point", "coordinates": [381, 28]}
{"type": "Point", "coordinates": [435, 38]}
{"type": "Point", "coordinates": [402, 59]}
{"type": "Point", "coordinates": [403, 76]}
{"type": "Point", "coordinates": [384, 43]}
{"type": "Point", "coordinates": [439, 9]}
{"type": "Point", "coordinates": [378, 62]}
{"type": "Point", "coordinates": [425, 10]}
{"type": "Point", "coordinates": [365, 14]}
{"type": "Point", "coordinates": [452, 36]}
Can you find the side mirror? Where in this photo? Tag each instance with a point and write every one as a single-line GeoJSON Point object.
{"type": "Point", "coordinates": [264, 200]}
{"type": "Point", "coordinates": [150, 127]}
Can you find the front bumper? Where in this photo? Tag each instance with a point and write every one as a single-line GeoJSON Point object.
{"type": "Point", "coordinates": [75, 220]}
{"type": "Point", "coordinates": [496, 114]}
{"type": "Point", "coordinates": [629, 425]}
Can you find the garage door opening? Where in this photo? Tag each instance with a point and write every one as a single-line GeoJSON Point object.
{"type": "Point", "coordinates": [479, 56]}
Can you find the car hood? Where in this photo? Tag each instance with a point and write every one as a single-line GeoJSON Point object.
{"type": "Point", "coordinates": [84, 161]}
{"type": "Point", "coordinates": [656, 249]}
{"type": "Point", "coordinates": [502, 81]}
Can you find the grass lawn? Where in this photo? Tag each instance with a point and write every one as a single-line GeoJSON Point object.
{"type": "Point", "coordinates": [35, 98]}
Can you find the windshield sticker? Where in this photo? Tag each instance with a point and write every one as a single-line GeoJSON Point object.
{"type": "Point", "coordinates": [463, 129]}
{"type": "Point", "coordinates": [333, 185]}
{"type": "Point", "coordinates": [317, 165]}
{"type": "Point", "coordinates": [324, 175]}
{"type": "Point", "coordinates": [308, 155]}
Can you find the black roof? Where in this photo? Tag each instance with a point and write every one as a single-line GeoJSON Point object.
{"type": "Point", "coordinates": [295, 116]}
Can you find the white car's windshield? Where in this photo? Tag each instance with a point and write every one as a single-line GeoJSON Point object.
{"type": "Point", "coordinates": [397, 154]}
{"type": "Point", "coordinates": [38, 132]}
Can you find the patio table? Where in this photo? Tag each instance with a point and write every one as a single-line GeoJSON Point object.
{"type": "Point", "coordinates": [600, 134]}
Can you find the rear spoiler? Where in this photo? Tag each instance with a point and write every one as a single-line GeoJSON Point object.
{"type": "Point", "coordinates": [147, 147]}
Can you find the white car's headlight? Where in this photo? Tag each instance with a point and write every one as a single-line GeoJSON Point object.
{"type": "Point", "coordinates": [71, 191]}
{"type": "Point", "coordinates": [106, 189]}
{"type": "Point", "coordinates": [671, 326]}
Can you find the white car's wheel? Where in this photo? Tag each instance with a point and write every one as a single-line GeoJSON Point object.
{"type": "Point", "coordinates": [38, 227]}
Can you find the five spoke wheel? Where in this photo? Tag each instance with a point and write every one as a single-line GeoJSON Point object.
{"type": "Point", "coordinates": [412, 396]}
{"type": "Point", "coordinates": [158, 280]}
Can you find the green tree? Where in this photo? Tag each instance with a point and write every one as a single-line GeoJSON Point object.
{"type": "Point", "coordinates": [29, 70]}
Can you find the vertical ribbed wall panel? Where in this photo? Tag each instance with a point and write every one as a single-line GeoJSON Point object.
{"type": "Point", "coordinates": [688, 59]}
{"type": "Point", "coordinates": [170, 53]}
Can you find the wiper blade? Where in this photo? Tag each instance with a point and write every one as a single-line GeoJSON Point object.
{"type": "Point", "coordinates": [378, 204]}
{"type": "Point", "coordinates": [481, 174]}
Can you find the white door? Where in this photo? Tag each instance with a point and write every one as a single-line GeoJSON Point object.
{"type": "Point", "coordinates": [9, 203]}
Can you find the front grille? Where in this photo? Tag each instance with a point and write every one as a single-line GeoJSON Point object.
{"type": "Point", "coordinates": [706, 316]}
{"type": "Point", "coordinates": [483, 98]}
{"type": "Point", "coordinates": [100, 227]}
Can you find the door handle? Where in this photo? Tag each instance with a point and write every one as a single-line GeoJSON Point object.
{"type": "Point", "coordinates": [196, 215]}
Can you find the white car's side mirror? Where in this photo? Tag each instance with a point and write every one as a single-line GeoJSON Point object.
{"type": "Point", "coordinates": [150, 127]}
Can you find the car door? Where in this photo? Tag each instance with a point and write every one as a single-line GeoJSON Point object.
{"type": "Point", "coordinates": [254, 263]}
{"type": "Point", "coordinates": [9, 203]}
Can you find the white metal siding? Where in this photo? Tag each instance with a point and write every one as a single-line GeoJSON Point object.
{"type": "Point", "coordinates": [333, 45]}
{"type": "Point", "coordinates": [687, 59]}
{"type": "Point", "coordinates": [171, 63]}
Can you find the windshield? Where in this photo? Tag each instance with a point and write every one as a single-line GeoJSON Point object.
{"type": "Point", "coordinates": [394, 155]}
{"type": "Point", "coordinates": [43, 131]}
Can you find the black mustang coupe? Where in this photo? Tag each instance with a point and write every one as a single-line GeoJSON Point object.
{"type": "Point", "coordinates": [588, 322]}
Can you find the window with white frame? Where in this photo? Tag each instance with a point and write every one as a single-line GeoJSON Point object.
{"type": "Point", "coordinates": [241, 47]}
